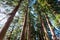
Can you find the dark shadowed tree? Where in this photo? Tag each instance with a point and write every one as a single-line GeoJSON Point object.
{"type": "Point", "coordinates": [7, 24]}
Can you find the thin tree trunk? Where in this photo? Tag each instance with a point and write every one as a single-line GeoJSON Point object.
{"type": "Point", "coordinates": [7, 24]}
{"type": "Point", "coordinates": [43, 28]}
{"type": "Point", "coordinates": [51, 29]}
{"type": "Point", "coordinates": [45, 31]}
{"type": "Point", "coordinates": [26, 33]}
{"type": "Point", "coordinates": [28, 25]}
{"type": "Point", "coordinates": [24, 27]}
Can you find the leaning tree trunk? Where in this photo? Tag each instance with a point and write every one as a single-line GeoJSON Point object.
{"type": "Point", "coordinates": [7, 24]}
{"type": "Point", "coordinates": [24, 27]}
{"type": "Point", "coordinates": [50, 27]}
{"type": "Point", "coordinates": [43, 28]}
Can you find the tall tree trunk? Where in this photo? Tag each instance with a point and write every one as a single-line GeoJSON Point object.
{"type": "Point", "coordinates": [24, 27]}
{"type": "Point", "coordinates": [7, 24]}
{"type": "Point", "coordinates": [50, 27]}
{"type": "Point", "coordinates": [43, 28]}
{"type": "Point", "coordinates": [28, 25]}
{"type": "Point", "coordinates": [45, 31]}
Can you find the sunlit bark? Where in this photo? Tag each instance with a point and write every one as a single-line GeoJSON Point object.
{"type": "Point", "coordinates": [24, 27]}
{"type": "Point", "coordinates": [43, 28]}
{"type": "Point", "coordinates": [28, 26]}
{"type": "Point", "coordinates": [51, 29]}
{"type": "Point", "coordinates": [45, 31]}
{"type": "Point", "coordinates": [9, 20]}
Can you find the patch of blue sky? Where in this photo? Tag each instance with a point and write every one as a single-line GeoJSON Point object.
{"type": "Point", "coordinates": [31, 2]}
{"type": "Point", "coordinates": [58, 0]}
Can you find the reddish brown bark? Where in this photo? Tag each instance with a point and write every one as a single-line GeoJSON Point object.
{"type": "Point", "coordinates": [45, 31]}
{"type": "Point", "coordinates": [51, 29]}
{"type": "Point", "coordinates": [24, 27]}
{"type": "Point", "coordinates": [28, 28]}
{"type": "Point", "coordinates": [7, 24]}
{"type": "Point", "coordinates": [43, 28]}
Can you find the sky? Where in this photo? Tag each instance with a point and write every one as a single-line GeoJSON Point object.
{"type": "Point", "coordinates": [58, 0]}
{"type": "Point", "coordinates": [4, 8]}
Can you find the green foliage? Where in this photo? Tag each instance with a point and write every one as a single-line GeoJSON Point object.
{"type": "Point", "coordinates": [42, 6]}
{"type": "Point", "coordinates": [12, 2]}
{"type": "Point", "coordinates": [57, 20]}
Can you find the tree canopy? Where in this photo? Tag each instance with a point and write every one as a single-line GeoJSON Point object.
{"type": "Point", "coordinates": [29, 20]}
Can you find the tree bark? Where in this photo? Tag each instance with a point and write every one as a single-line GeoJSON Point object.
{"type": "Point", "coordinates": [7, 24]}
{"type": "Point", "coordinates": [50, 27]}
{"type": "Point", "coordinates": [45, 31]}
{"type": "Point", "coordinates": [28, 28]}
{"type": "Point", "coordinates": [43, 28]}
{"type": "Point", "coordinates": [24, 27]}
